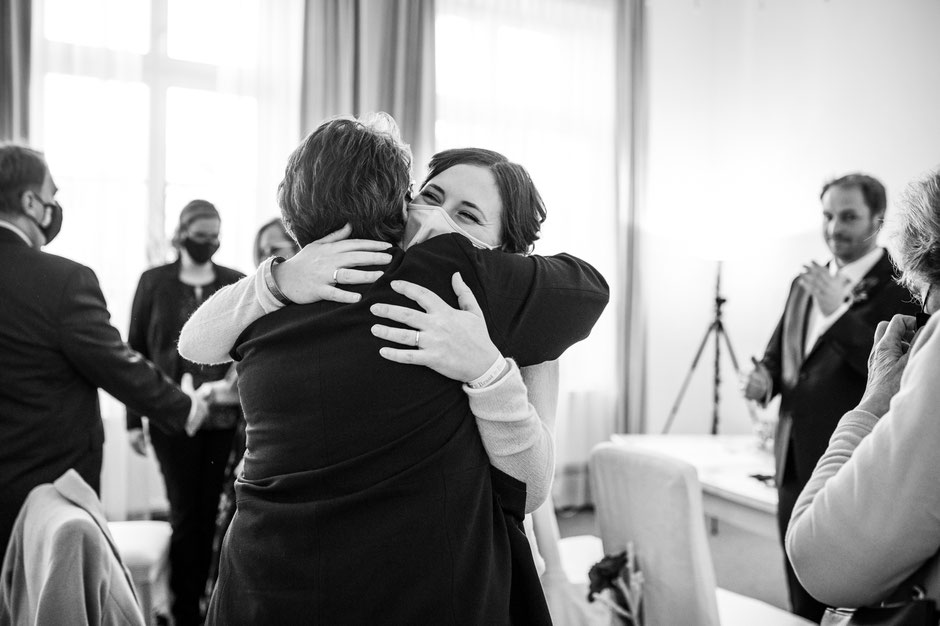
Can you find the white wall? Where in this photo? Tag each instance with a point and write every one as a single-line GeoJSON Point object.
{"type": "Point", "coordinates": [753, 105]}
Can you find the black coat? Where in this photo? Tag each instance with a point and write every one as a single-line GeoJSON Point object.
{"type": "Point", "coordinates": [367, 494]}
{"type": "Point", "coordinates": [162, 304]}
{"type": "Point", "coordinates": [57, 347]}
{"type": "Point", "coordinates": [818, 388]}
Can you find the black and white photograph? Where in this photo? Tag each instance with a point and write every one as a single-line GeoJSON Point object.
{"type": "Point", "coordinates": [469, 312]}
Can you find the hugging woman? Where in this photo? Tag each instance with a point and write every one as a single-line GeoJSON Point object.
{"type": "Point", "coordinates": [367, 493]}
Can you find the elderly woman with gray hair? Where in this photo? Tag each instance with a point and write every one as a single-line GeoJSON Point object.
{"type": "Point", "coordinates": [867, 527]}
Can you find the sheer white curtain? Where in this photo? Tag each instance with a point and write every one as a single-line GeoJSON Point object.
{"type": "Point", "coordinates": [142, 105]}
{"type": "Point", "coordinates": [536, 81]}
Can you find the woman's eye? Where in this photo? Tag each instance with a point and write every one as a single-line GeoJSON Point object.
{"type": "Point", "coordinates": [469, 217]}
{"type": "Point", "coordinates": [430, 199]}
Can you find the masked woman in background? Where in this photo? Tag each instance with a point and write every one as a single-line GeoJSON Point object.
{"type": "Point", "coordinates": [193, 468]}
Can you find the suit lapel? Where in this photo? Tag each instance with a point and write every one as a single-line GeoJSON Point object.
{"type": "Point", "coordinates": [795, 331]}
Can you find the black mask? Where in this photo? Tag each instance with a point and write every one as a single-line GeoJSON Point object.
{"type": "Point", "coordinates": [200, 251]}
{"type": "Point", "coordinates": [51, 224]}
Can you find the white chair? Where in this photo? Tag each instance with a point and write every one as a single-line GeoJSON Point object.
{"type": "Point", "coordinates": [145, 549]}
{"type": "Point", "coordinates": [655, 501]}
{"type": "Point", "coordinates": [565, 578]}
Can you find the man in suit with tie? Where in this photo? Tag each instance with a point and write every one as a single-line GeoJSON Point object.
{"type": "Point", "coordinates": [817, 359]}
{"type": "Point", "coordinates": [57, 347]}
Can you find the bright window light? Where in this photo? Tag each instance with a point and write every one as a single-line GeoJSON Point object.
{"type": "Point", "coordinates": [112, 24]}
{"type": "Point", "coordinates": [535, 81]}
{"type": "Point", "coordinates": [78, 109]}
{"type": "Point", "coordinates": [211, 143]}
{"type": "Point", "coordinates": [136, 122]}
{"type": "Point", "coordinates": [217, 32]}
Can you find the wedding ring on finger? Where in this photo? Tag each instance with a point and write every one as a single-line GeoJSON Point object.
{"type": "Point", "coordinates": [417, 337]}
{"type": "Point", "coordinates": [335, 278]}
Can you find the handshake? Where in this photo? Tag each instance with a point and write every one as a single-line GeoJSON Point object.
{"type": "Point", "coordinates": [217, 392]}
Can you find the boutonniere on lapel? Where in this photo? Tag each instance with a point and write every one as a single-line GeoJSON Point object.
{"type": "Point", "coordinates": [861, 290]}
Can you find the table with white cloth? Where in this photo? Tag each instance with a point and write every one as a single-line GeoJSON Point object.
{"type": "Point", "coordinates": [727, 466]}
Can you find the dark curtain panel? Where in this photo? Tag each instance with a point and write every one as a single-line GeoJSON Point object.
{"type": "Point", "coordinates": [15, 25]}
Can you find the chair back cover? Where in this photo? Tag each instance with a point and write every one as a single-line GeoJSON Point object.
{"type": "Point", "coordinates": [655, 501]}
{"type": "Point", "coordinates": [62, 566]}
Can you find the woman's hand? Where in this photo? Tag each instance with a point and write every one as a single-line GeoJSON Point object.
{"type": "Point", "coordinates": [886, 363]}
{"type": "Point", "coordinates": [452, 342]}
{"type": "Point", "coordinates": [313, 273]}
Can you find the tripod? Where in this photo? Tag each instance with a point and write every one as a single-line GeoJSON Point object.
{"type": "Point", "coordinates": [717, 327]}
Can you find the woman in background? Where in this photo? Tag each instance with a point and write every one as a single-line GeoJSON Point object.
{"type": "Point", "coordinates": [867, 526]}
{"type": "Point", "coordinates": [273, 240]}
{"type": "Point", "coordinates": [193, 468]}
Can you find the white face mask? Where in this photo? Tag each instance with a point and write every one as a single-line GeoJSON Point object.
{"type": "Point", "coordinates": [424, 221]}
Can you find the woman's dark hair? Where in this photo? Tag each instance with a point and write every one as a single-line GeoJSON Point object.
{"type": "Point", "coordinates": [347, 171]}
{"type": "Point", "coordinates": [523, 208]}
{"type": "Point", "coordinates": [21, 169]}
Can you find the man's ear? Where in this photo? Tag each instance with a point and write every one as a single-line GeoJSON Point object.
{"type": "Point", "coordinates": [25, 200]}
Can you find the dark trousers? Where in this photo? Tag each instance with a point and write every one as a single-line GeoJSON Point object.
{"type": "Point", "coordinates": [788, 490]}
{"type": "Point", "coordinates": [193, 470]}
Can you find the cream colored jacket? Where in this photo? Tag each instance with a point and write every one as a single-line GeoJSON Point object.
{"type": "Point", "coordinates": [869, 517]}
{"type": "Point", "coordinates": [62, 566]}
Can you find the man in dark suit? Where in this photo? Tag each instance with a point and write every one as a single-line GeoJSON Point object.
{"type": "Point", "coordinates": [817, 359]}
{"type": "Point", "coordinates": [57, 347]}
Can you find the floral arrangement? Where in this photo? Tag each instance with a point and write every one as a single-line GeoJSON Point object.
{"type": "Point", "coordinates": [617, 582]}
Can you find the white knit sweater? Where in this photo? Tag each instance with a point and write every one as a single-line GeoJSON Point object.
{"type": "Point", "coordinates": [870, 515]}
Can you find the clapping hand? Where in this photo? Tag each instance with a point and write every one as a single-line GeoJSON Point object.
{"type": "Point", "coordinates": [197, 416]}
{"type": "Point", "coordinates": [828, 291]}
{"type": "Point", "coordinates": [886, 363]}
{"type": "Point", "coordinates": [313, 273]}
{"type": "Point", "coordinates": [452, 342]}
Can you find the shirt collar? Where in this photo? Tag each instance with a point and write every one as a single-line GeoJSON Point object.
{"type": "Point", "coordinates": [856, 270]}
{"type": "Point", "coordinates": [17, 230]}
